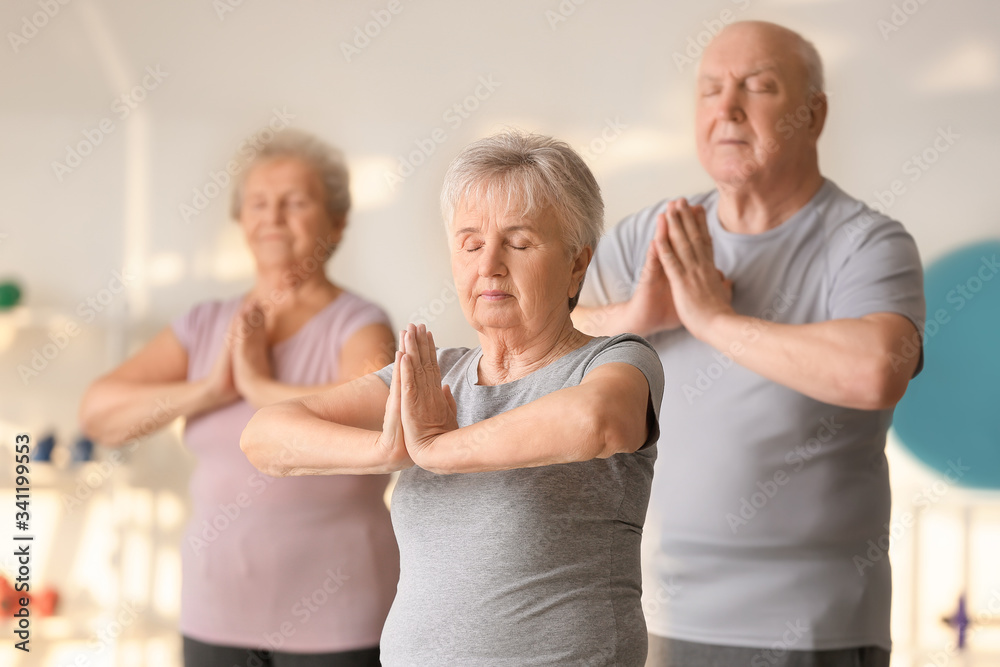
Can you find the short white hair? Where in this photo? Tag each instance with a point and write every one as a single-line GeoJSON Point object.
{"type": "Point", "coordinates": [525, 173]}
{"type": "Point", "coordinates": [514, 171]}
{"type": "Point", "coordinates": [327, 161]}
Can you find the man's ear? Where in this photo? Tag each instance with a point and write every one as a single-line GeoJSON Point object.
{"type": "Point", "coordinates": [818, 107]}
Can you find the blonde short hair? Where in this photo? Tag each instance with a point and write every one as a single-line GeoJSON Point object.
{"type": "Point", "coordinates": [327, 161]}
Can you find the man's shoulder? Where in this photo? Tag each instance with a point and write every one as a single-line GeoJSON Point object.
{"type": "Point", "coordinates": [854, 230]}
{"type": "Point", "coordinates": [849, 221]}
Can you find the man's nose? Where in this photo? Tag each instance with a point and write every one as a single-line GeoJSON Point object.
{"type": "Point", "coordinates": [730, 105]}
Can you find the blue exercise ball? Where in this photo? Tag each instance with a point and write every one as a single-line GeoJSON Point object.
{"type": "Point", "coordinates": [950, 416]}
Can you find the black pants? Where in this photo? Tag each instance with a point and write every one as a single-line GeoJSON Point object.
{"type": "Point", "coordinates": [664, 652]}
{"type": "Point", "coordinates": [200, 654]}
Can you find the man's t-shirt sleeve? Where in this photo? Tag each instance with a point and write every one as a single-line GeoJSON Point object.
{"type": "Point", "coordinates": [881, 273]}
{"type": "Point", "coordinates": [618, 260]}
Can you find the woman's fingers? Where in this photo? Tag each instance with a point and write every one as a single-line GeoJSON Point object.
{"type": "Point", "coordinates": [433, 370]}
{"type": "Point", "coordinates": [450, 398]}
{"type": "Point", "coordinates": [415, 379]}
{"type": "Point", "coordinates": [406, 367]}
{"type": "Point", "coordinates": [392, 406]}
{"type": "Point", "coordinates": [420, 370]}
{"type": "Point", "coordinates": [419, 344]}
{"type": "Point", "coordinates": [392, 427]}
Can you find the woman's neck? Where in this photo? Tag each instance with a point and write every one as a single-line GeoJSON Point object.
{"type": "Point", "coordinates": [288, 287]}
{"type": "Point", "coordinates": [511, 354]}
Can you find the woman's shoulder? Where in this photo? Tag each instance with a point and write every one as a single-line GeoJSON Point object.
{"type": "Point", "coordinates": [204, 319]}
{"type": "Point", "coordinates": [450, 358]}
{"type": "Point", "coordinates": [626, 348]}
{"type": "Point", "coordinates": [622, 340]}
{"type": "Point", "coordinates": [204, 313]}
{"type": "Point", "coordinates": [626, 344]}
{"type": "Point", "coordinates": [349, 305]}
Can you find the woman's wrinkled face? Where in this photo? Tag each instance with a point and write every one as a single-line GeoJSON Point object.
{"type": "Point", "coordinates": [513, 273]}
{"type": "Point", "coordinates": [284, 217]}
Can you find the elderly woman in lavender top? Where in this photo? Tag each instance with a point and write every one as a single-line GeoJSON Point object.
{"type": "Point", "coordinates": [287, 572]}
{"type": "Point", "coordinates": [525, 462]}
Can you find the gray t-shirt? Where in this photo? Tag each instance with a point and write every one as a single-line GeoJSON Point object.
{"type": "Point", "coordinates": [533, 566]}
{"type": "Point", "coordinates": [766, 499]}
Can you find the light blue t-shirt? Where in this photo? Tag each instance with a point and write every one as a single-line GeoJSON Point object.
{"type": "Point", "coordinates": [766, 502]}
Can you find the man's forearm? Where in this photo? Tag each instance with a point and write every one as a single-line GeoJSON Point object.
{"type": "Point", "coordinates": [609, 320]}
{"type": "Point", "coordinates": [846, 362]}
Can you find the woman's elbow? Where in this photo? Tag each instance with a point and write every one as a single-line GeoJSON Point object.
{"type": "Point", "coordinates": [613, 432]}
{"type": "Point", "coordinates": [259, 449]}
{"type": "Point", "coordinates": [93, 421]}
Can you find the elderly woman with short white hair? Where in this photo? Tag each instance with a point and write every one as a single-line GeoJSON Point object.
{"type": "Point", "coordinates": [526, 462]}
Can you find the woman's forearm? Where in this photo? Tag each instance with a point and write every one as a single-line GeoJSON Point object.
{"type": "Point", "coordinates": [563, 427]}
{"type": "Point", "coordinates": [288, 439]}
{"type": "Point", "coordinates": [267, 391]}
{"type": "Point", "coordinates": [114, 412]}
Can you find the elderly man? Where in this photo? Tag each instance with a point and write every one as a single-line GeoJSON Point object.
{"type": "Point", "coordinates": [782, 310]}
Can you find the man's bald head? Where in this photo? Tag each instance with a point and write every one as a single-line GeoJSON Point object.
{"type": "Point", "coordinates": [788, 45]}
{"type": "Point", "coordinates": [760, 107]}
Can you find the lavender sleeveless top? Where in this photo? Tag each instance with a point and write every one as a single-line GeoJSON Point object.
{"type": "Point", "coordinates": [300, 564]}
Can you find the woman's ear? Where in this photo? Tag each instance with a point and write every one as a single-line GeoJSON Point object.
{"type": "Point", "coordinates": [580, 264]}
{"type": "Point", "coordinates": [337, 225]}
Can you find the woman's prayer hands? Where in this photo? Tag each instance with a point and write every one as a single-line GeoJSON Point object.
{"type": "Point", "coordinates": [220, 383]}
{"type": "Point", "coordinates": [251, 359]}
{"type": "Point", "coordinates": [419, 408]}
{"type": "Point", "coordinates": [391, 442]}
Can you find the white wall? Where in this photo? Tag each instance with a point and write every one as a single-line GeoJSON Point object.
{"type": "Point", "coordinates": [607, 62]}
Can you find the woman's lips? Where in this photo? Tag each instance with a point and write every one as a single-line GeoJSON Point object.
{"type": "Point", "coordinates": [494, 295]}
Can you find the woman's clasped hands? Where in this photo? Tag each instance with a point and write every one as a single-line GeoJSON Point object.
{"type": "Point", "coordinates": [419, 409]}
{"type": "Point", "coordinates": [244, 358]}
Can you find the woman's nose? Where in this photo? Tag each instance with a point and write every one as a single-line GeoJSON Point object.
{"type": "Point", "coordinates": [491, 261]}
{"type": "Point", "coordinates": [273, 214]}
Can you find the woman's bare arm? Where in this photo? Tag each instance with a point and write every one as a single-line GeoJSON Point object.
{"type": "Point", "coordinates": [148, 391]}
